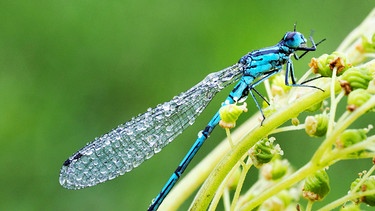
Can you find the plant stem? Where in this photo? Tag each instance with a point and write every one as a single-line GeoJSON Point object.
{"type": "Point", "coordinates": [205, 194]}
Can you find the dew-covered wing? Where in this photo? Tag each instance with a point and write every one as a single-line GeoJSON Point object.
{"type": "Point", "coordinates": [131, 143]}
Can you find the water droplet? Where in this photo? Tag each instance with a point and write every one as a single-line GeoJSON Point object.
{"type": "Point", "coordinates": [191, 121]}
{"type": "Point", "coordinates": [128, 131]}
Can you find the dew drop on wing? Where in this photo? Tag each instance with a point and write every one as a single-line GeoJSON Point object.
{"type": "Point", "coordinates": [88, 152]}
{"type": "Point", "coordinates": [199, 110]}
{"type": "Point", "coordinates": [80, 165]}
{"type": "Point", "coordinates": [103, 170]}
{"type": "Point", "coordinates": [128, 131]}
{"type": "Point", "coordinates": [101, 178]}
{"type": "Point", "coordinates": [99, 153]}
{"type": "Point", "coordinates": [95, 162]}
{"type": "Point", "coordinates": [169, 128]}
{"type": "Point", "coordinates": [191, 121]}
{"type": "Point", "coordinates": [116, 142]}
{"type": "Point", "coordinates": [157, 149]}
{"type": "Point", "coordinates": [108, 150]}
{"type": "Point", "coordinates": [86, 170]}
{"type": "Point", "coordinates": [110, 177]}
{"type": "Point", "coordinates": [62, 181]}
{"type": "Point", "coordinates": [149, 154]}
{"type": "Point", "coordinates": [122, 171]}
{"type": "Point", "coordinates": [79, 176]}
{"type": "Point", "coordinates": [151, 139]}
{"type": "Point", "coordinates": [138, 160]}
{"type": "Point", "coordinates": [91, 180]}
{"type": "Point", "coordinates": [129, 166]}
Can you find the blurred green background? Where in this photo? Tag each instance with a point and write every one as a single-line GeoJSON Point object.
{"type": "Point", "coordinates": [73, 70]}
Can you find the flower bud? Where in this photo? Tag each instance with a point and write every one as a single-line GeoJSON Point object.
{"type": "Point", "coordinates": [316, 125]}
{"type": "Point", "coordinates": [275, 169]}
{"type": "Point", "coordinates": [229, 114]}
{"type": "Point", "coordinates": [326, 63]}
{"type": "Point", "coordinates": [264, 151]}
{"type": "Point", "coordinates": [295, 121]}
{"type": "Point", "coordinates": [350, 137]}
{"type": "Point", "coordinates": [357, 98]}
{"type": "Point", "coordinates": [355, 78]}
{"type": "Point", "coordinates": [316, 186]}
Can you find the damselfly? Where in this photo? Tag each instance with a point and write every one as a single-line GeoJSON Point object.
{"type": "Point", "coordinates": [131, 143]}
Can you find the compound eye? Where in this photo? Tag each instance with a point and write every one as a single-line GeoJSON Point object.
{"type": "Point", "coordinates": [290, 36]}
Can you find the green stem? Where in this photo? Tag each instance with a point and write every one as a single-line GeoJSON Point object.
{"type": "Point", "coordinates": [309, 205]}
{"type": "Point", "coordinates": [223, 188]}
{"type": "Point", "coordinates": [245, 168]}
{"type": "Point", "coordinates": [226, 199]}
{"type": "Point", "coordinates": [229, 137]}
{"type": "Point", "coordinates": [206, 193]}
{"type": "Point", "coordinates": [347, 153]}
{"type": "Point", "coordinates": [333, 102]}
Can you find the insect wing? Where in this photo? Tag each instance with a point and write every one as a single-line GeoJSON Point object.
{"type": "Point", "coordinates": [131, 143]}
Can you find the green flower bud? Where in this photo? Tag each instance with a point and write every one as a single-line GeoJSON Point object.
{"type": "Point", "coordinates": [350, 137]}
{"type": "Point", "coordinates": [295, 121]}
{"type": "Point", "coordinates": [316, 126]}
{"type": "Point", "coordinates": [229, 114]}
{"type": "Point", "coordinates": [326, 63]}
{"type": "Point", "coordinates": [357, 98]}
{"type": "Point", "coordinates": [369, 184]}
{"type": "Point", "coordinates": [355, 78]}
{"type": "Point", "coordinates": [275, 170]}
{"type": "Point", "coordinates": [264, 151]}
{"type": "Point", "coordinates": [316, 187]}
